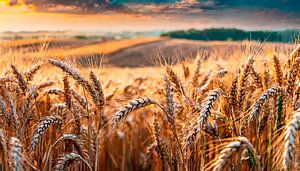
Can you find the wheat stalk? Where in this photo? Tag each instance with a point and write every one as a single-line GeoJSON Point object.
{"type": "Point", "coordinates": [30, 74]}
{"type": "Point", "coordinates": [44, 85]}
{"type": "Point", "coordinates": [227, 151]}
{"type": "Point", "coordinates": [162, 147]}
{"type": "Point", "coordinates": [76, 75]}
{"type": "Point", "coordinates": [294, 55]}
{"type": "Point", "coordinates": [266, 78]}
{"type": "Point", "coordinates": [170, 102]}
{"type": "Point", "coordinates": [242, 82]}
{"type": "Point", "coordinates": [257, 78]}
{"type": "Point", "coordinates": [292, 77]}
{"type": "Point", "coordinates": [195, 80]}
{"type": "Point", "coordinates": [203, 116]}
{"type": "Point", "coordinates": [16, 154]}
{"type": "Point", "coordinates": [81, 100]}
{"type": "Point", "coordinates": [3, 141]}
{"type": "Point", "coordinates": [55, 91]}
{"type": "Point", "coordinates": [98, 88]}
{"type": "Point", "coordinates": [132, 106]}
{"type": "Point", "coordinates": [289, 141]}
{"type": "Point", "coordinates": [66, 160]}
{"type": "Point", "coordinates": [42, 127]}
{"type": "Point", "coordinates": [179, 88]}
{"type": "Point", "coordinates": [208, 105]}
{"type": "Point", "coordinates": [100, 99]}
{"type": "Point", "coordinates": [277, 70]}
{"type": "Point", "coordinates": [12, 110]}
{"type": "Point", "coordinates": [3, 109]}
{"type": "Point", "coordinates": [233, 94]}
{"type": "Point", "coordinates": [20, 78]}
{"type": "Point", "coordinates": [67, 93]}
{"type": "Point", "coordinates": [271, 92]}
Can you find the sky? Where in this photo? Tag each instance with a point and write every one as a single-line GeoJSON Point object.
{"type": "Point", "coordinates": [147, 15]}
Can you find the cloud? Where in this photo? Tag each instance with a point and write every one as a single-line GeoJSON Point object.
{"type": "Point", "coordinates": [157, 6]}
{"type": "Point", "coordinates": [13, 2]}
{"type": "Point", "coordinates": [239, 13]}
{"type": "Point", "coordinates": [70, 6]}
{"type": "Point", "coordinates": [133, 6]}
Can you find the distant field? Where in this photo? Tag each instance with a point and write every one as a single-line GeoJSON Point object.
{"type": "Point", "coordinates": [176, 50]}
{"type": "Point", "coordinates": [76, 49]}
{"type": "Point", "coordinates": [51, 44]}
{"type": "Point", "coordinates": [137, 52]}
{"type": "Point", "coordinates": [102, 47]}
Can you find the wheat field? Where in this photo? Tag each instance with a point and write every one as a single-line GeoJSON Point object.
{"type": "Point", "coordinates": [210, 112]}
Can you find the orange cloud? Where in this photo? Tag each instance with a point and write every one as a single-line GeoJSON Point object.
{"type": "Point", "coordinates": [184, 14]}
{"type": "Point", "coordinates": [6, 8]}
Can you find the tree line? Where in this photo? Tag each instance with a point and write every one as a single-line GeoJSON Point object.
{"type": "Point", "coordinates": [232, 34]}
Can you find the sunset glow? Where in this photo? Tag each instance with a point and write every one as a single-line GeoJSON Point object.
{"type": "Point", "coordinates": [55, 15]}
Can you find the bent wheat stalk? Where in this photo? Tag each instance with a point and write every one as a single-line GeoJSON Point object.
{"type": "Point", "coordinates": [289, 141]}
{"type": "Point", "coordinates": [65, 161]}
{"type": "Point", "coordinates": [42, 128]}
{"type": "Point", "coordinates": [133, 105]}
{"type": "Point", "coordinates": [292, 77]}
{"type": "Point", "coordinates": [208, 105]}
{"type": "Point", "coordinates": [30, 74]}
{"type": "Point", "coordinates": [202, 119]}
{"type": "Point", "coordinates": [71, 137]}
{"type": "Point", "coordinates": [16, 154]}
{"type": "Point", "coordinates": [238, 143]}
{"type": "Point", "coordinates": [271, 92]}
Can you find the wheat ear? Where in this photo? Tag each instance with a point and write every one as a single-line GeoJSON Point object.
{"type": "Point", "coordinates": [16, 153]}
{"type": "Point", "coordinates": [12, 109]}
{"type": "Point", "coordinates": [79, 79]}
{"type": "Point", "coordinates": [98, 88]}
{"type": "Point", "coordinates": [208, 105]}
{"type": "Point", "coordinates": [257, 78]}
{"type": "Point", "coordinates": [30, 74]}
{"type": "Point", "coordinates": [227, 151]}
{"type": "Point", "coordinates": [103, 122]}
{"type": "Point", "coordinates": [133, 105]}
{"type": "Point", "coordinates": [67, 92]}
{"type": "Point", "coordinates": [178, 86]}
{"type": "Point", "coordinates": [21, 81]}
{"type": "Point", "coordinates": [292, 77]}
{"type": "Point", "coordinates": [242, 82]}
{"type": "Point", "coordinates": [44, 85]}
{"type": "Point", "coordinates": [295, 54]}
{"type": "Point", "coordinates": [162, 147]}
{"type": "Point", "coordinates": [277, 70]}
{"type": "Point", "coordinates": [42, 127]}
{"type": "Point", "coordinates": [66, 160]}
{"type": "Point", "coordinates": [55, 91]}
{"type": "Point", "coordinates": [195, 80]}
{"type": "Point", "coordinates": [289, 140]}
{"type": "Point", "coordinates": [271, 92]}
{"type": "Point", "coordinates": [202, 119]}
